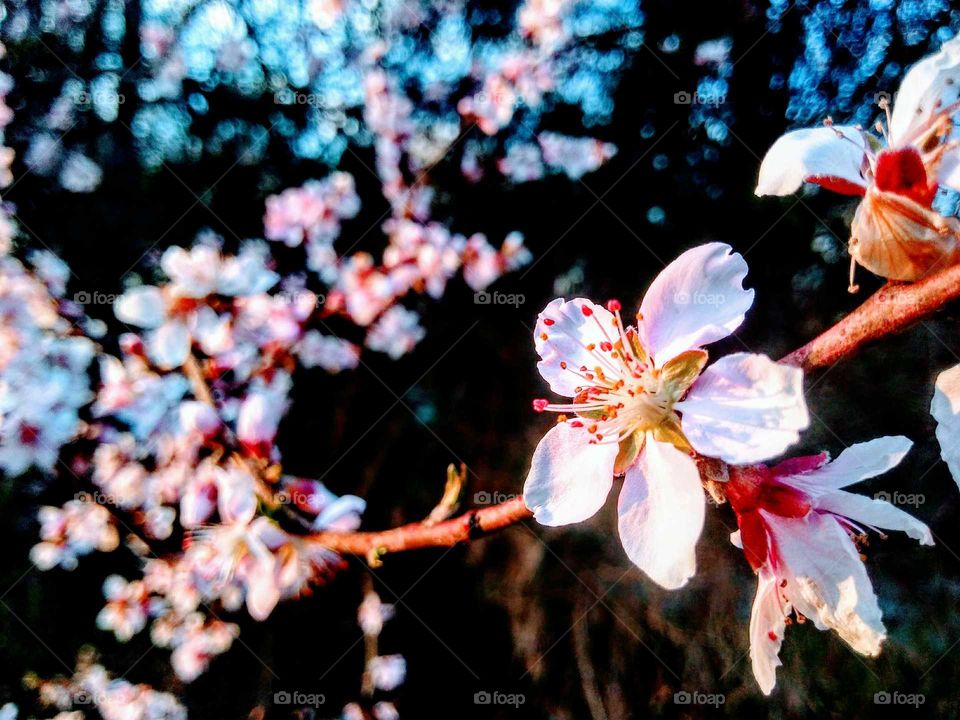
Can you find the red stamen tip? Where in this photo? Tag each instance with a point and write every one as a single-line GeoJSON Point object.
{"type": "Point", "coordinates": [548, 321]}
{"type": "Point", "coordinates": [613, 306]}
{"type": "Point", "coordinates": [586, 310]}
{"type": "Point", "coordinates": [540, 404]}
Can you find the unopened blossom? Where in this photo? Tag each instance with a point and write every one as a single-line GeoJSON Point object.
{"type": "Point", "coordinates": [643, 401]}
{"type": "Point", "coordinates": [800, 530]}
{"type": "Point", "coordinates": [896, 232]}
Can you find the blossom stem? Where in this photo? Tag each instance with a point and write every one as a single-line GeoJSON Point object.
{"type": "Point", "coordinates": [891, 309]}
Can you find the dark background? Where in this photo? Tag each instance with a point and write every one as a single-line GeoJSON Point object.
{"type": "Point", "coordinates": [557, 615]}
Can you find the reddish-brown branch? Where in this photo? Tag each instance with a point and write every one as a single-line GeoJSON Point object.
{"type": "Point", "coordinates": [889, 310]}
{"type": "Point", "coordinates": [469, 526]}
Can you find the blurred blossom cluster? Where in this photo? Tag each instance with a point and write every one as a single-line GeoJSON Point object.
{"type": "Point", "coordinates": [92, 687]}
{"type": "Point", "coordinates": [406, 78]}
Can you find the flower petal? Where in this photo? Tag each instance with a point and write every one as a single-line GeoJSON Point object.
{"type": "Point", "coordinates": [767, 627]}
{"type": "Point", "coordinates": [817, 155]}
{"type": "Point", "coordinates": [141, 306]}
{"type": "Point", "coordinates": [698, 299]}
{"type": "Point", "coordinates": [874, 512]}
{"type": "Point", "coordinates": [744, 409]}
{"type": "Point", "coordinates": [826, 579]}
{"type": "Point", "coordinates": [169, 345]}
{"type": "Point", "coordinates": [945, 409]}
{"type": "Point", "coordinates": [661, 511]}
{"type": "Point", "coordinates": [928, 87]}
{"type": "Point", "coordinates": [858, 462]}
{"type": "Point", "coordinates": [569, 477]}
{"type": "Point", "coordinates": [564, 330]}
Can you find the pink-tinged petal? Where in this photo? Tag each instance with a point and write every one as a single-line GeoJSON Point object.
{"type": "Point", "coordinates": [767, 627]}
{"type": "Point", "coordinates": [745, 409]}
{"type": "Point", "coordinates": [858, 462]}
{"type": "Point", "coordinates": [945, 409]}
{"type": "Point", "coordinates": [928, 88]}
{"type": "Point", "coordinates": [698, 299]}
{"type": "Point", "coordinates": [817, 155]}
{"type": "Point", "coordinates": [875, 513]}
{"type": "Point", "coordinates": [564, 330]}
{"type": "Point", "coordinates": [263, 592]}
{"type": "Point", "coordinates": [169, 345]}
{"type": "Point", "coordinates": [569, 478]}
{"type": "Point", "coordinates": [826, 579]}
{"type": "Point", "coordinates": [661, 510]}
{"type": "Point", "coordinates": [141, 306]}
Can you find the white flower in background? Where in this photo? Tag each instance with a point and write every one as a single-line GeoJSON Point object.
{"type": "Point", "coordinates": [642, 403]}
{"type": "Point", "coordinates": [330, 353]}
{"type": "Point", "coordinates": [78, 528]}
{"type": "Point", "coordinates": [387, 671]}
{"type": "Point", "coordinates": [80, 174]}
{"type": "Point", "coordinates": [799, 530]}
{"type": "Point", "coordinates": [945, 409]}
{"type": "Point", "coordinates": [127, 608]}
{"type": "Point", "coordinates": [896, 233]}
{"type": "Point", "coordinates": [396, 333]}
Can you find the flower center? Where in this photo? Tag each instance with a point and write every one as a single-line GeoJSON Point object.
{"type": "Point", "coordinates": [623, 394]}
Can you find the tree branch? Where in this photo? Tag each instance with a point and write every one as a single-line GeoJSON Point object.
{"type": "Point", "coordinates": [891, 309]}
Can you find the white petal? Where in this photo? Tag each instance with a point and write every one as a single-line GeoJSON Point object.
{"type": "Point", "coordinates": [569, 331]}
{"type": "Point", "coordinates": [874, 512]}
{"type": "Point", "coordinates": [826, 579]}
{"type": "Point", "coordinates": [948, 172]}
{"type": "Point", "coordinates": [141, 306]}
{"type": "Point", "coordinates": [263, 593]}
{"type": "Point", "coordinates": [697, 299]}
{"type": "Point", "coordinates": [813, 155]}
{"type": "Point", "coordinates": [945, 409]}
{"type": "Point", "coordinates": [169, 345]}
{"type": "Point", "coordinates": [569, 478]}
{"type": "Point", "coordinates": [767, 627]}
{"type": "Point", "coordinates": [858, 462]}
{"type": "Point", "coordinates": [744, 408]}
{"type": "Point", "coordinates": [661, 511]}
{"type": "Point", "coordinates": [928, 87]}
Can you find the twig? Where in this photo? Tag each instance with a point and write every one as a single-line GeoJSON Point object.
{"type": "Point", "coordinates": [890, 310]}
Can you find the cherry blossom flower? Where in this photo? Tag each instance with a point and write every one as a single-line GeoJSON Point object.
{"type": "Point", "coordinates": [76, 529]}
{"type": "Point", "coordinates": [396, 333]}
{"type": "Point", "coordinates": [387, 671]}
{"type": "Point", "coordinates": [642, 404]}
{"type": "Point", "coordinates": [896, 232]}
{"type": "Point", "coordinates": [127, 608]}
{"type": "Point", "coordinates": [333, 354]}
{"type": "Point", "coordinates": [800, 529]}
